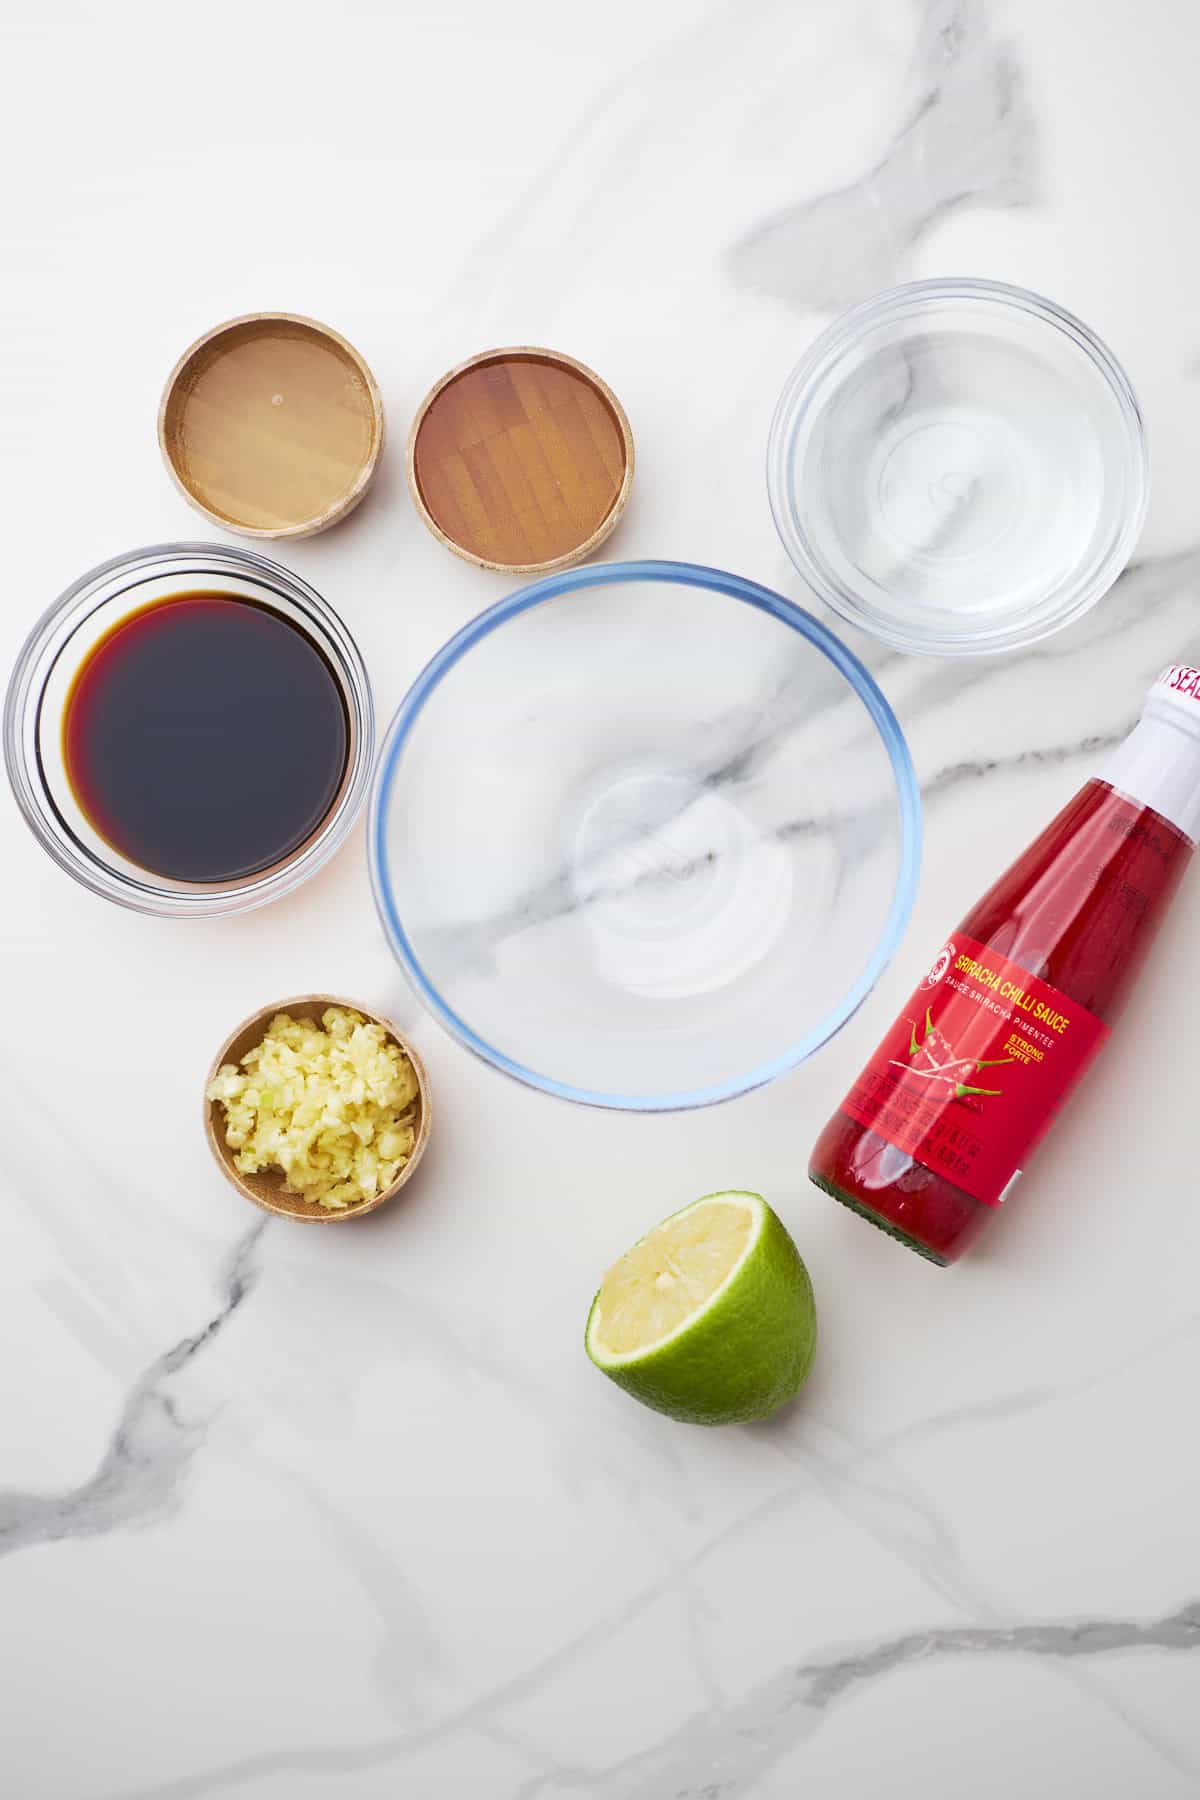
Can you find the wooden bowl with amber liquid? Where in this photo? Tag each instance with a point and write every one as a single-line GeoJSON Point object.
{"type": "Point", "coordinates": [267, 1189]}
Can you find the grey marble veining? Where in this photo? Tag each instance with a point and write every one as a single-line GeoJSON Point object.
{"type": "Point", "coordinates": [723, 1755]}
{"type": "Point", "coordinates": [141, 1476]}
{"type": "Point", "coordinates": [726, 1759]}
{"type": "Point", "coordinates": [969, 139]}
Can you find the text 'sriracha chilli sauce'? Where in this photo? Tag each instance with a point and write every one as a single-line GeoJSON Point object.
{"type": "Point", "coordinates": [1022, 997]}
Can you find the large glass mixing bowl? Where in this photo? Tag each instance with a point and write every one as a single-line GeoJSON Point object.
{"type": "Point", "coordinates": [644, 835]}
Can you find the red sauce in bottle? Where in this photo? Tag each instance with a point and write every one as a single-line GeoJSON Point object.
{"type": "Point", "coordinates": [1077, 914]}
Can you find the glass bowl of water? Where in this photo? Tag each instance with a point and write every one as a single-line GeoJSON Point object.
{"type": "Point", "coordinates": [644, 835]}
{"type": "Point", "coordinates": [958, 467]}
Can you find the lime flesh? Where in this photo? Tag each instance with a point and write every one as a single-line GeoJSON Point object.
{"type": "Point", "coordinates": [710, 1317]}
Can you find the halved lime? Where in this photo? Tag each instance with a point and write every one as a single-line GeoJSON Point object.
{"type": "Point", "coordinates": [710, 1317]}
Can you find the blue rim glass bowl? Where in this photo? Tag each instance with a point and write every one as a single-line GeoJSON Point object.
{"type": "Point", "coordinates": [958, 467]}
{"type": "Point", "coordinates": [643, 835]}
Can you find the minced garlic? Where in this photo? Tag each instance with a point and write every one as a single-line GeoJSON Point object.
{"type": "Point", "coordinates": [332, 1106]}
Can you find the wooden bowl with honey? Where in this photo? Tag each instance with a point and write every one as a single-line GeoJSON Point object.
{"type": "Point", "coordinates": [521, 460]}
{"type": "Point", "coordinates": [267, 1189]}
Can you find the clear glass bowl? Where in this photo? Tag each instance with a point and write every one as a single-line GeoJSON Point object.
{"type": "Point", "coordinates": [958, 467]}
{"type": "Point", "coordinates": [41, 681]}
{"type": "Point", "coordinates": [644, 835]}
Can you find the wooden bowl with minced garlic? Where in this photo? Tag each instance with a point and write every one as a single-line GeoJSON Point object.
{"type": "Point", "coordinates": [266, 1187]}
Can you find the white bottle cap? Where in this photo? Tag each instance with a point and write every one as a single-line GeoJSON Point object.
{"type": "Point", "coordinates": [1158, 764]}
{"type": "Point", "coordinates": [1175, 697]}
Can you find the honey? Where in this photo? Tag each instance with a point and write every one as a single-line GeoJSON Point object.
{"type": "Point", "coordinates": [521, 460]}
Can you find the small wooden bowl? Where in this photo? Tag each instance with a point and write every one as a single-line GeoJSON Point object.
{"type": "Point", "coordinates": [271, 425]}
{"type": "Point", "coordinates": [267, 1190]}
{"type": "Point", "coordinates": [521, 460]}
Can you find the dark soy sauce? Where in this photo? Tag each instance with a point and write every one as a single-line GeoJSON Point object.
{"type": "Point", "coordinates": [205, 738]}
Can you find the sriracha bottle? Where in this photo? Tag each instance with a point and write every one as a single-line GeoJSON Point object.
{"type": "Point", "coordinates": [1022, 997]}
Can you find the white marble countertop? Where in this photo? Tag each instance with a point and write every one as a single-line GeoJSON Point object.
{"type": "Point", "coordinates": [288, 1514]}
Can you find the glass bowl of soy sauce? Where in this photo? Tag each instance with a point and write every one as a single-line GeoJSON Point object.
{"type": "Point", "coordinates": [189, 730]}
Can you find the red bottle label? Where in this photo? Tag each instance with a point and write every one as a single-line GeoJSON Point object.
{"type": "Point", "coordinates": [973, 1071]}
